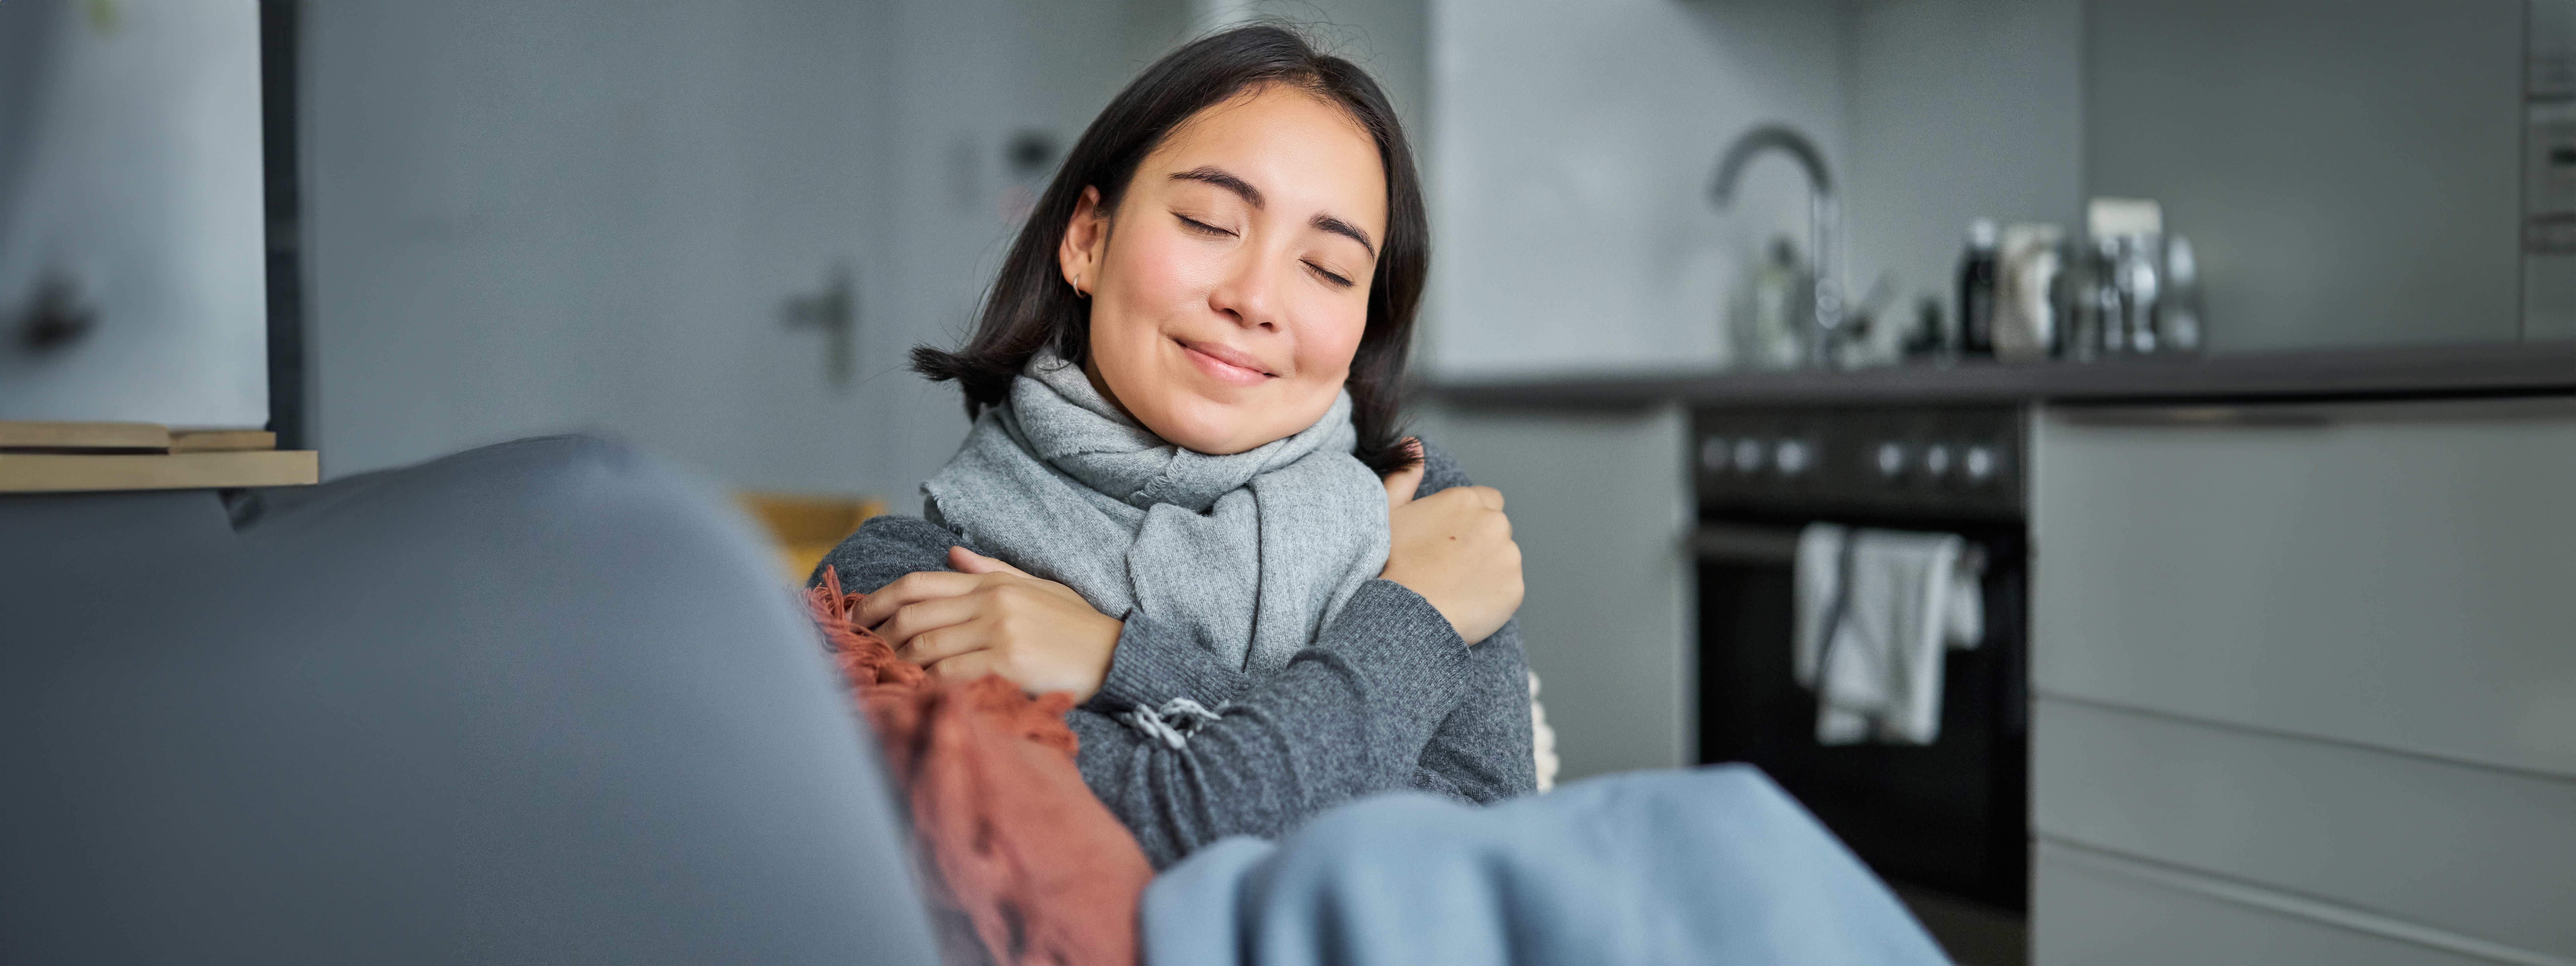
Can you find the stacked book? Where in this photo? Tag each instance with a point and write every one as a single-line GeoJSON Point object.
{"type": "Point", "coordinates": [63, 457]}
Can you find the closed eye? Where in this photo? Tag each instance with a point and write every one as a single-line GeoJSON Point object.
{"type": "Point", "coordinates": [1201, 227]}
{"type": "Point", "coordinates": [1329, 275]}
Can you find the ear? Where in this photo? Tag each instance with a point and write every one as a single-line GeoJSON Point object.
{"type": "Point", "coordinates": [1086, 241]}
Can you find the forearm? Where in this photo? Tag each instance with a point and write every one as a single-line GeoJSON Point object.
{"type": "Point", "coordinates": [1348, 717]}
{"type": "Point", "coordinates": [1481, 752]}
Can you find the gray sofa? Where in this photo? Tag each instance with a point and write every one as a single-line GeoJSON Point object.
{"type": "Point", "coordinates": [539, 702]}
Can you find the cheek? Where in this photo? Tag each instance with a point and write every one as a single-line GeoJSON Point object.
{"type": "Point", "coordinates": [1146, 279]}
{"type": "Point", "coordinates": [1152, 272]}
{"type": "Point", "coordinates": [1329, 340]}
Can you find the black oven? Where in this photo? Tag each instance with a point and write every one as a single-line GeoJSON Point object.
{"type": "Point", "coordinates": [1951, 816]}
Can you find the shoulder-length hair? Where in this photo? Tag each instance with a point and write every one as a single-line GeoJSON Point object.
{"type": "Point", "coordinates": [1030, 306]}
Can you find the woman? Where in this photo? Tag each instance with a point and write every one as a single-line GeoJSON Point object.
{"type": "Point", "coordinates": [1184, 498]}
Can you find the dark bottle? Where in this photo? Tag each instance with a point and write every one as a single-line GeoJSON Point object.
{"type": "Point", "coordinates": [1977, 290]}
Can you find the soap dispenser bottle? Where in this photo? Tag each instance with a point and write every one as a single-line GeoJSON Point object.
{"type": "Point", "coordinates": [2178, 316]}
{"type": "Point", "coordinates": [1779, 290]}
{"type": "Point", "coordinates": [1977, 290]}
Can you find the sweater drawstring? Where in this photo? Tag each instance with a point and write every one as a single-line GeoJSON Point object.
{"type": "Point", "coordinates": [1173, 724]}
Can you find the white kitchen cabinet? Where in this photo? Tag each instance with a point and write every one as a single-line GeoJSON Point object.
{"type": "Point", "coordinates": [2305, 683]}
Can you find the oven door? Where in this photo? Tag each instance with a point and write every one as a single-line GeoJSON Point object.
{"type": "Point", "coordinates": [1950, 816]}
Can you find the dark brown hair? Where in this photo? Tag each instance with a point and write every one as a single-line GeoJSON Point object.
{"type": "Point", "coordinates": [1030, 306]}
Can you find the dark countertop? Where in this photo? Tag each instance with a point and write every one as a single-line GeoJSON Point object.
{"type": "Point", "coordinates": [2391, 373]}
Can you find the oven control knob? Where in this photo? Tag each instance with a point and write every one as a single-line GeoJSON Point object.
{"type": "Point", "coordinates": [1891, 460]}
{"type": "Point", "coordinates": [1980, 464]}
{"type": "Point", "coordinates": [1936, 460]}
{"type": "Point", "coordinates": [1793, 457]}
{"type": "Point", "coordinates": [1716, 453]}
{"type": "Point", "coordinates": [1748, 455]}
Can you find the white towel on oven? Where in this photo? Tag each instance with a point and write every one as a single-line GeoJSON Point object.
{"type": "Point", "coordinates": [1876, 610]}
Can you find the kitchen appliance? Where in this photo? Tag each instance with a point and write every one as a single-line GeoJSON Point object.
{"type": "Point", "coordinates": [1951, 816]}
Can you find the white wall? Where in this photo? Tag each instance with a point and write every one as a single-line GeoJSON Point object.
{"type": "Point", "coordinates": [1572, 152]}
{"type": "Point", "coordinates": [130, 177]}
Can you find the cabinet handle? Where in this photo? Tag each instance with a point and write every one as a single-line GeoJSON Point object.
{"type": "Point", "coordinates": [1745, 544]}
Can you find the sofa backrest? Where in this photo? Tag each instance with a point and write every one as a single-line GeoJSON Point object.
{"type": "Point", "coordinates": [536, 702]}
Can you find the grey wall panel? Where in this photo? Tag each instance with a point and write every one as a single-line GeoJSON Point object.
{"type": "Point", "coordinates": [2548, 297]}
{"type": "Point", "coordinates": [529, 218]}
{"type": "Point", "coordinates": [2466, 849]}
{"type": "Point", "coordinates": [1598, 502]}
{"type": "Point", "coordinates": [1959, 109]}
{"type": "Point", "coordinates": [2349, 172]}
{"type": "Point", "coordinates": [2396, 576]}
{"type": "Point", "coordinates": [588, 216]}
{"type": "Point", "coordinates": [2090, 910]}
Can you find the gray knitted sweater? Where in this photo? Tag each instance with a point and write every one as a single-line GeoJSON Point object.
{"type": "Point", "coordinates": [1387, 698]}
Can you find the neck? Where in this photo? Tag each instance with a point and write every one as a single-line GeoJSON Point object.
{"type": "Point", "coordinates": [1091, 371]}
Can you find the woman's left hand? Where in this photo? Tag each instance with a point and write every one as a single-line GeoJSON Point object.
{"type": "Point", "coordinates": [991, 618]}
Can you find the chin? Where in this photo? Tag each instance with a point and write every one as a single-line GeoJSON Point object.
{"type": "Point", "coordinates": [1214, 437]}
{"type": "Point", "coordinates": [1209, 426]}
{"type": "Point", "coordinates": [1202, 415]}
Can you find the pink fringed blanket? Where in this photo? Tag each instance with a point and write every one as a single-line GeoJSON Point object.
{"type": "Point", "coordinates": [1014, 839]}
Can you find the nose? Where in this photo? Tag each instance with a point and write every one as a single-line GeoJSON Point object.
{"type": "Point", "coordinates": [1248, 292]}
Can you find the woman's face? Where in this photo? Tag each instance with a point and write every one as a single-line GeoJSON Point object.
{"type": "Point", "coordinates": [1229, 290]}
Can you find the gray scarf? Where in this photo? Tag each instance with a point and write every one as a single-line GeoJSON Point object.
{"type": "Point", "coordinates": [1254, 553]}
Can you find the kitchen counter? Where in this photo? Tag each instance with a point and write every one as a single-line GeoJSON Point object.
{"type": "Point", "coordinates": [2409, 372]}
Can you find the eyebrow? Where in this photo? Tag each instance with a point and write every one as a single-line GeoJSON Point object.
{"type": "Point", "coordinates": [1221, 178]}
{"type": "Point", "coordinates": [1211, 174]}
{"type": "Point", "coordinates": [1346, 230]}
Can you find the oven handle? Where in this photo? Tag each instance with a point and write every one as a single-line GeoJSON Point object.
{"type": "Point", "coordinates": [1741, 543]}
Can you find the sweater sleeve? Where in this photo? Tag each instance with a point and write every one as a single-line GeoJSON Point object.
{"type": "Point", "coordinates": [1482, 750]}
{"type": "Point", "coordinates": [884, 548]}
{"type": "Point", "coordinates": [1347, 717]}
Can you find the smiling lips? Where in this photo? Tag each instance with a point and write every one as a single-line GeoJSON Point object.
{"type": "Point", "coordinates": [1224, 363]}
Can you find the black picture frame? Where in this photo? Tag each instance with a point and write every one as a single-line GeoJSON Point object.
{"type": "Point", "coordinates": [289, 404]}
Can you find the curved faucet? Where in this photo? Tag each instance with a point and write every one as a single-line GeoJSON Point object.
{"type": "Point", "coordinates": [1821, 211]}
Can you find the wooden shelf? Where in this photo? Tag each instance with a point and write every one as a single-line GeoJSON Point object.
{"type": "Point", "coordinates": [74, 472]}
{"type": "Point", "coordinates": [220, 440]}
{"type": "Point", "coordinates": [20, 434]}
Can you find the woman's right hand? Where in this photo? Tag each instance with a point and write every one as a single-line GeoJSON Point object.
{"type": "Point", "coordinates": [1455, 549]}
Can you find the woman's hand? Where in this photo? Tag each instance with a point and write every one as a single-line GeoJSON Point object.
{"type": "Point", "coordinates": [990, 618]}
{"type": "Point", "coordinates": [1454, 548]}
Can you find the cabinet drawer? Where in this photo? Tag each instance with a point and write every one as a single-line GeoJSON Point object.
{"type": "Point", "coordinates": [2460, 848]}
{"type": "Point", "coordinates": [2093, 910]}
{"type": "Point", "coordinates": [2402, 576]}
